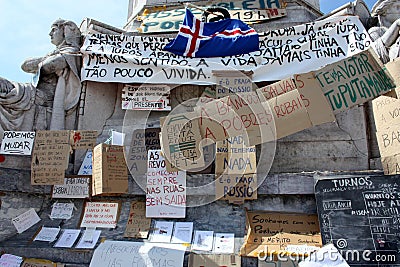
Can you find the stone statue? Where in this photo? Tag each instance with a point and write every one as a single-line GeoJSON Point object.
{"type": "Point", "coordinates": [386, 36]}
{"type": "Point", "coordinates": [52, 102]}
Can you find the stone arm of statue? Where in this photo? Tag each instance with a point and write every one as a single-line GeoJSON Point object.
{"type": "Point", "coordinates": [52, 63]}
{"type": "Point", "coordinates": [391, 35]}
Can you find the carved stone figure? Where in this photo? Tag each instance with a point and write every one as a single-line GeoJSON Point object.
{"type": "Point", "coordinates": [386, 36]}
{"type": "Point", "coordinates": [52, 102]}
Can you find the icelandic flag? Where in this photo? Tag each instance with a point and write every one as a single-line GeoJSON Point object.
{"type": "Point", "coordinates": [226, 37]}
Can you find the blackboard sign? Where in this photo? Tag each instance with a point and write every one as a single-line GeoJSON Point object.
{"type": "Point", "coordinates": [360, 215]}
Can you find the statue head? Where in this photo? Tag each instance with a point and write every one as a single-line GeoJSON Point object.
{"type": "Point", "coordinates": [65, 32]}
{"type": "Point", "coordinates": [387, 11]}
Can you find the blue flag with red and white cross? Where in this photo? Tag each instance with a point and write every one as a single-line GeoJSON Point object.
{"type": "Point", "coordinates": [226, 37]}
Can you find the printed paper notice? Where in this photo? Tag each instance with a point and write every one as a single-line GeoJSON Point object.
{"type": "Point", "coordinates": [146, 97]}
{"type": "Point", "coordinates": [183, 232]}
{"type": "Point", "coordinates": [47, 234]}
{"type": "Point", "coordinates": [162, 232]}
{"type": "Point", "coordinates": [26, 220]}
{"type": "Point", "coordinates": [203, 240]}
{"type": "Point", "coordinates": [224, 243]}
{"type": "Point", "coordinates": [100, 214]}
{"type": "Point", "coordinates": [67, 238]}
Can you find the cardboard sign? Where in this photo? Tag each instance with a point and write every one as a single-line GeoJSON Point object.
{"type": "Point", "coordinates": [62, 211]}
{"type": "Point", "coordinates": [205, 260]}
{"type": "Point", "coordinates": [125, 253]}
{"type": "Point", "coordinates": [138, 225]}
{"type": "Point", "coordinates": [110, 174]}
{"type": "Point", "coordinates": [100, 214]}
{"type": "Point", "coordinates": [163, 19]}
{"type": "Point", "coordinates": [83, 139]}
{"type": "Point", "coordinates": [394, 69]}
{"type": "Point", "coordinates": [165, 191]}
{"type": "Point", "coordinates": [181, 141]}
{"type": "Point", "coordinates": [86, 167]}
{"type": "Point", "coordinates": [231, 82]}
{"type": "Point", "coordinates": [353, 80]}
{"type": "Point", "coordinates": [38, 263]}
{"type": "Point", "coordinates": [290, 113]}
{"type": "Point", "coordinates": [276, 89]}
{"type": "Point", "coordinates": [391, 164]}
{"type": "Point", "coordinates": [26, 220]}
{"type": "Point", "coordinates": [17, 143]}
{"type": "Point", "coordinates": [386, 112]}
{"type": "Point", "coordinates": [77, 187]}
{"type": "Point", "coordinates": [240, 114]}
{"type": "Point", "coordinates": [234, 157]}
{"type": "Point", "coordinates": [142, 141]}
{"type": "Point", "coordinates": [236, 188]}
{"type": "Point", "coordinates": [272, 233]}
{"type": "Point", "coordinates": [146, 97]}
{"type": "Point", "coordinates": [50, 157]}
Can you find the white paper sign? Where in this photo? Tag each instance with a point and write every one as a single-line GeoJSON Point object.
{"type": "Point", "coordinates": [26, 220]}
{"type": "Point", "coordinates": [47, 234]}
{"type": "Point", "coordinates": [62, 211]}
{"type": "Point", "coordinates": [183, 232]}
{"type": "Point", "coordinates": [86, 167]}
{"type": "Point", "coordinates": [84, 242]}
{"type": "Point", "coordinates": [203, 240]}
{"type": "Point", "coordinates": [166, 191]}
{"type": "Point", "coordinates": [146, 97]}
{"type": "Point", "coordinates": [283, 52]}
{"type": "Point", "coordinates": [162, 232]}
{"type": "Point", "coordinates": [9, 260]}
{"type": "Point", "coordinates": [100, 214]}
{"type": "Point", "coordinates": [124, 253]}
{"type": "Point", "coordinates": [67, 238]}
{"type": "Point", "coordinates": [117, 138]}
{"type": "Point", "coordinates": [72, 188]}
{"type": "Point", "coordinates": [224, 243]}
{"type": "Point", "coordinates": [17, 143]}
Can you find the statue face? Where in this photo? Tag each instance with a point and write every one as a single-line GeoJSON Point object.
{"type": "Point", "coordinates": [57, 35]}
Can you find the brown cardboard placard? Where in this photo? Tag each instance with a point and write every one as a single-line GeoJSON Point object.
{"type": "Point", "coordinates": [318, 107]}
{"type": "Point", "coordinates": [213, 260]}
{"type": "Point", "coordinates": [236, 188]}
{"type": "Point", "coordinates": [290, 113]}
{"type": "Point", "coordinates": [393, 68]}
{"type": "Point", "coordinates": [181, 141]}
{"type": "Point", "coordinates": [50, 157]}
{"type": "Point", "coordinates": [110, 174]}
{"type": "Point", "coordinates": [38, 263]}
{"type": "Point", "coordinates": [354, 80]}
{"type": "Point", "coordinates": [233, 115]}
{"type": "Point", "coordinates": [138, 225]}
{"type": "Point", "coordinates": [386, 112]}
{"type": "Point", "coordinates": [83, 139]}
{"type": "Point", "coordinates": [391, 164]}
{"type": "Point", "coordinates": [389, 140]}
{"type": "Point", "coordinates": [278, 88]}
{"type": "Point", "coordinates": [272, 232]}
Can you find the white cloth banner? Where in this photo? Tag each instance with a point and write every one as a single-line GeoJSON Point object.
{"type": "Point", "coordinates": [283, 52]}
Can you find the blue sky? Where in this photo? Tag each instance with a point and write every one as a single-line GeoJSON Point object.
{"type": "Point", "coordinates": [25, 25]}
